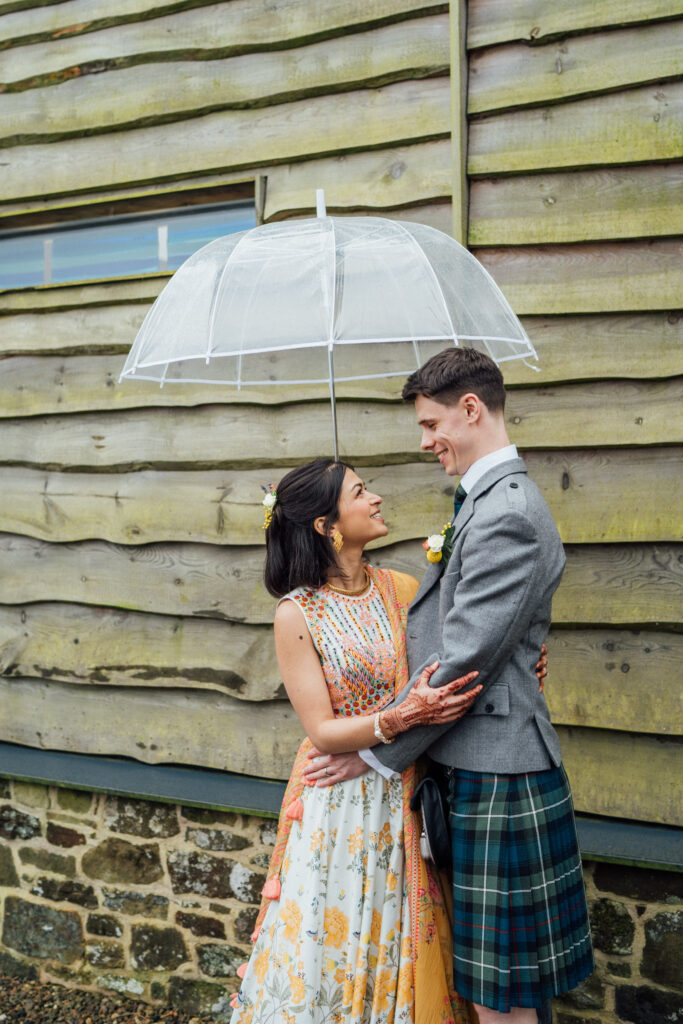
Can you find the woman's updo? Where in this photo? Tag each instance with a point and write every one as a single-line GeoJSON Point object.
{"type": "Point", "coordinates": [296, 554]}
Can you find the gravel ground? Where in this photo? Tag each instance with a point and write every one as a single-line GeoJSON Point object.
{"type": "Point", "coordinates": [30, 1002]}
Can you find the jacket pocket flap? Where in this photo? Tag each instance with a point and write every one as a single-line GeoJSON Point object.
{"type": "Point", "coordinates": [496, 701]}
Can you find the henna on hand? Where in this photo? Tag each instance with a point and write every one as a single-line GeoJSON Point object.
{"type": "Point", "coordinates": [417, 709]}
{"type": "Point", "coordinates": [542, 667]}
{"type": "Point", "coordinates": [424, 705]}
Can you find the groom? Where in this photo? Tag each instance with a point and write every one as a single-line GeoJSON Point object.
{"type": "Point", "coordinates": [521, 931]}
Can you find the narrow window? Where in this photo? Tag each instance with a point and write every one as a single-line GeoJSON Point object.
{"type": "Point", "coordinates": [130, 240]}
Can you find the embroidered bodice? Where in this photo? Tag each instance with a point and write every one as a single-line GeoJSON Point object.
{"type": "Point", "coordinates": [353, 638]}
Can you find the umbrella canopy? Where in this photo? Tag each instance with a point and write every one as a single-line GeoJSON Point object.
{"type": "Point", "coordinates": [351, 298]}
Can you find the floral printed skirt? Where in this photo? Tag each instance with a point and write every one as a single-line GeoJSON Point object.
{"type": "Point", "coordinates": [336, 947]}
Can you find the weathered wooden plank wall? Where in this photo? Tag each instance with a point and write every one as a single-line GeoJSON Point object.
{"type": "Point", "coordinates": [130, 551]}
{"type": "Point", "coordinates": [575, 142]}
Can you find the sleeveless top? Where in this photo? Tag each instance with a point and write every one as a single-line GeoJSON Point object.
{"type": "Point", "coordinates": [355, 644]}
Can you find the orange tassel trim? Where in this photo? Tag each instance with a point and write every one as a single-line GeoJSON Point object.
{"type": "Point", "coordinates": [271, 890]}
{"type": "Point", "coordinates": [234, 1002]}
{"type": "Point", "coordinates": [295, 811]}
{"type": "Point", "coordinates": [241, 970]}
{"type": "Point", "coordinates": [255, 934]}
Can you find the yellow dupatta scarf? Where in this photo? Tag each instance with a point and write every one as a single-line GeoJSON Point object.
{"type": "Point", "coordinates": [435, 1001]}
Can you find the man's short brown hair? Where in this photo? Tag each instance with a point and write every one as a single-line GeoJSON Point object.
{"type": "Point", "coordinates": [455, 372]}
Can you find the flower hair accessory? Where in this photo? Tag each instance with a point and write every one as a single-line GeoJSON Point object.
{"type": "Point", "coordinates": [268, 503]}
{"type": "Point", "coordinates": [439, 545]}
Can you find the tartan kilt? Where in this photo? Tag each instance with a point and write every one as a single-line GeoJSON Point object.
{"type": "Point", "coordinates": [520, 923]}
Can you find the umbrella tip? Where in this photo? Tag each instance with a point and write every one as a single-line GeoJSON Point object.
{"type": "Point", "coordinates": [320, 209]}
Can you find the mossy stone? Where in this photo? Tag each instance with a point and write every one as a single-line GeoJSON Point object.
{"type": "Point", "coordinates": [200, 873]}
{"type": "Point", "coordinates": [207, 816]}
{"type": "Point", "coordinates": [15, 824]}
{"type": "Point", "coordinates": [612, 926]}
{"type": "Point", "coordinates": [200, 997]}
{"type": "Point", "coordinates": [268, 833]}
{"type": "Point", "coordinates": [648, 884]}
{"type": "Point", "coordinates": [103, 924]}
{"type": "Point", "coordinates": [245, 922]}
{"type": "Point", "coordinates": [127, 986]}
{"type": "Point", "coordinates": [144, 904]}
{"type": "Point", "coordinates": [216, 839]}
{"type": "Point", "coordinates": [77, 801]}
{"type": "Point", "coordinates": [60, 835]}
{"type": "Point", "coordinates": [202, 927]}
{"type": "Point", "coordinates": [643, 1005]}
{"type": "Point", "coordinates": [10, 967]}
{"type": "Point", "coordinates": [663, 953]}
{"type": "Point", "coordinates": [588, 995]}
{"type": "Point", "coordinates": [41, 931]}
{"type": "Point", "coordinates": [140, 817]}
{"type": "Point", "coordinates": [31, 794]}
{"type": "Point", "coordinates": [116, 860]}
{"type": "Point", "coordinates": [104, 954]}
{"type": "Point", "coordinates": [8, 874]}
{"type": "Point", "coordinates": [157, 949]}
{"type": "Point", "coordinates": [71, 891]}
{"type": "Point", "coordinates": [219, 961]}
{"type": "Point", "coordinates": [46, 860]}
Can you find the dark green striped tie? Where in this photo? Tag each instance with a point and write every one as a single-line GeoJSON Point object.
{"type": "Point", "coordinates": [460, 495]}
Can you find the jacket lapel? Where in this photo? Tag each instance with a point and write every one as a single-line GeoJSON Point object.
{"type": "Point", "coordinates": [436, 569]}
{"type": "Point", "coordinates": [430, 578]}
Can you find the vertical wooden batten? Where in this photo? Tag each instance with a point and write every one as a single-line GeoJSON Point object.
{"type": "Point", "coordinates": [459, 77]}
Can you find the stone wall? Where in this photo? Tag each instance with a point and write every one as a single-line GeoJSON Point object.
{"type": "Point", "coordinates": [152, 900]}
{"type": "Point", "coordinates": [158, 901]}
{"type": "Point", "coordinates": [637, 921]}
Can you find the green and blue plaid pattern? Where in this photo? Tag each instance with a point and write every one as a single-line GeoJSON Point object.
{"type": "Point", "coordinates": [520, 921]}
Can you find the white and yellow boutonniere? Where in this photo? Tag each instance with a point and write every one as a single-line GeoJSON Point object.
{"type": "Point", "coordinates": [439, 545]}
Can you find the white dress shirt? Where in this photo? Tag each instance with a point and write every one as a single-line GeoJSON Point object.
{"type": "Point", "coordinates": [467, 481]}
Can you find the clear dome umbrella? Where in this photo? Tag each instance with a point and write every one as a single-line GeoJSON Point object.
{"type": "Point", "coordinates": [352, 298]}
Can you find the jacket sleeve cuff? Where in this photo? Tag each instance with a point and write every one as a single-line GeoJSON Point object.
{"type": "Point", "coordinates": [373, 762]}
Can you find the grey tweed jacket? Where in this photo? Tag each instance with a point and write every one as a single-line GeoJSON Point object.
{"type": "Point", "coordinates": [488, 609]}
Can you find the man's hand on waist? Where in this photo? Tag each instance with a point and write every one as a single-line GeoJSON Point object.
{"type": "Point", "coordinates": [327, 769]}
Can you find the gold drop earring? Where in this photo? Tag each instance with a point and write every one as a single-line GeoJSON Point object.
{"type": "Point", "coordinates": [337, 540]}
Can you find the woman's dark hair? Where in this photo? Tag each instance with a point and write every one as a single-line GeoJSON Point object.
{"type": "Point", "coordinates": [450, 374]}
{"type": "Point", "coordinates": [296, 554]}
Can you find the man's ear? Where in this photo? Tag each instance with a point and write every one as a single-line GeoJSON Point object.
{"type": "Point", "coordinates": [471, 404]}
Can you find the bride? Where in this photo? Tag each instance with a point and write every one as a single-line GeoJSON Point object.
{"type": "Point", "coordinates": [353, 927]}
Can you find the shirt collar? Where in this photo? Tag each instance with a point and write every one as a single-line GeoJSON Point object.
{"type": "Point", "coordinates": [485, 463]}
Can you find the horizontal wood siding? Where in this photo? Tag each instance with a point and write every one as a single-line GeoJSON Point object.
{"type": "Point", "coordinates": [606, 584]}
{"type": "Point", "coordinates": [575, 170]}
{"type": "Point", "coordinates": [131, 545]}
{"type": "Point", "coordinates": [69, 642]}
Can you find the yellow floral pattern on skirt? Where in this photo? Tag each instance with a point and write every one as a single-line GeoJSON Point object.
{"type": "Point", "coordinates": [336, 947]}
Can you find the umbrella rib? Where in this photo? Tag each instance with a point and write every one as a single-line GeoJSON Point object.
{"type": "Point", "coordinates": [505, 304]}
{"type": "Point", "coordinates": [415, 244]}
{"type": "Point", "coordinates": [214, 301]}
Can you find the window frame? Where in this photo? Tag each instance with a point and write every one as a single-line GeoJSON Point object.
{"type": "Point", "coordinates": [122, 206]}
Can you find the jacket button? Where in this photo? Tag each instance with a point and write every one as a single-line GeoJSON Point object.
{"type": "Point", "coordinates": [513, 484]}
{"type": "Point", "coordinates": [489, 709]}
